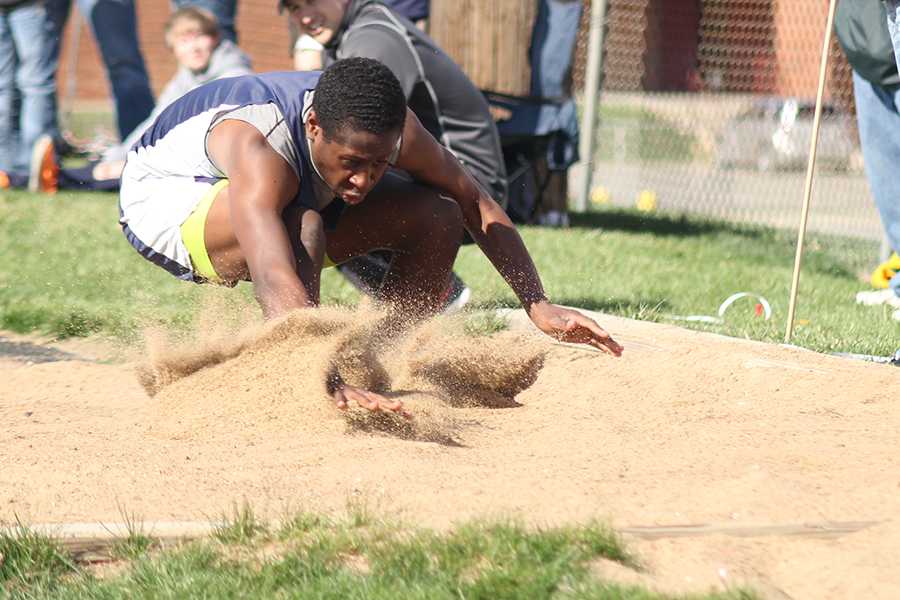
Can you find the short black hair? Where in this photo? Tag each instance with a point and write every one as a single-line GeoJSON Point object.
{"type": "Point", "coordinates": [360, 93]}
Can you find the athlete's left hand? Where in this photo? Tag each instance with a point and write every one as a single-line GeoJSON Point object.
{"type": "Point", "coordinates": [567, 325]}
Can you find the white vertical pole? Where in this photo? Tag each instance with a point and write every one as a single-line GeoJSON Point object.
{"type": "Point", "coordinates": [885, 252]}
{"type": "Point", "coordinates": [810, 169]}
{"type": "Point", "coordinates": [591, 91]}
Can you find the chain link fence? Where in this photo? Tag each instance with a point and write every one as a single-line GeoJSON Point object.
{"type": "Point", "coordinates": [706, 107]}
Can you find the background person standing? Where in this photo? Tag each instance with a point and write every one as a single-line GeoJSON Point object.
{"type": "Point", "coordinates": [114, 23]}
{"type": "Point", "coordinates": [866, 40]}
{"type": "Point", "coordinates": [28, 64]}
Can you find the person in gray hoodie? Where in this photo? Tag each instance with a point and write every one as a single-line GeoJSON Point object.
{"type": "Point", "coordinates": [202, 55]}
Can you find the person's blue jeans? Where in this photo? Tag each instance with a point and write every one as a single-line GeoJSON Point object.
{"type": "Point", "coordinates": [223, 10]}
{"type": "Point", "coordinates": [878, 118]}
{"type": "Point", "coordinates": [414, 10]}
{"type": "Point", "coordinates": [27, 82]}
{"type": "Point", "coordinates": [114, 23]}
{"type": "Point", "coordinates": [892, 7]}
{"type": "Point", "coordinates": [552, 43]}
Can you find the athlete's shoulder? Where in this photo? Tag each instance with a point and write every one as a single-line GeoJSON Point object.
{"type": "Point", "coordinates": [298, 79]}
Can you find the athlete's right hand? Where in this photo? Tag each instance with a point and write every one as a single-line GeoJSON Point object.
{"type": "Point", "coordinates": [345, 394]}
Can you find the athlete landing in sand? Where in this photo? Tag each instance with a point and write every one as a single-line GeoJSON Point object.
{"type": "Point", "coordinates": [269, 178]}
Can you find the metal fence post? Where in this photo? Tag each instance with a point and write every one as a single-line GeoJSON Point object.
{"type": "Point", "coordinates": [885, 251]}
{"type": "Point", "coordinates": [591, 91]}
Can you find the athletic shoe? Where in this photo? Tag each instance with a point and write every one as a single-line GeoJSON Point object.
{"type": "Point", "coordinates": [367, 272]}
{"type": "Point", "coordinates": [877, 297]}
{"type": "Point", "coordinates": [554, 218]}
{"type": "Point", "coordinates": [43, 176]}
{"type": "Point", "coordinates": [458, 295]}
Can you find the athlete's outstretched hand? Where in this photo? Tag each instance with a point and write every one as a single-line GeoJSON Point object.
{"type": "Point", "coordinates": [569, 325]}
{"type": "Point", "coordinates": [345, 394]}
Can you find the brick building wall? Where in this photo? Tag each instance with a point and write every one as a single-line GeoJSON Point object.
{"type": "Point", "coordinates": [262, 33]}
{"type": "Point", "coordinates": [648, 45]}
{"type": "Point", "coordinates": [743, 46]}
{"type": "Point", "coordinates": [758, 46]}
{"type": "Point", "coordinates": [671, 62]}
{"type": "Point", "coordinates": [800, 27]}
{"type": "Point", "coordinates": [736, 46]}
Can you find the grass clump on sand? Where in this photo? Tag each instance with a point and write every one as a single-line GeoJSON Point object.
{"type": "Point", "coordinates": [30, 561]}
{"type": "Point", "coordinates": [242, 526]}
{"type": "Point", "coordinates": [315, 556]}
{"type": "Point", "coordinates": [136, 542]}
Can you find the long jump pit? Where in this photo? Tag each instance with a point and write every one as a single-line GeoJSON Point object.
{"type": "Point", "coordinates": [721, 461]}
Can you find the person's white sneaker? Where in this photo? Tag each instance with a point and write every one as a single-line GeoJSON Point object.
{"type": "Point", "coordinates": [554, 218]}
{"type": "Point", "coordinates": [458, 296]}
{"type": "Point", "coordinates": [876, 297]}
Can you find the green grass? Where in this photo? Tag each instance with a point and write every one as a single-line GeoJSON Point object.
{"type": "Point", "coordinates": [481, 323]}
{"type": "Point", "coordinates": [30, 560]}
{"type": "Point", "coordinates": [137, 542]}
{"type": "Point", "coordinates": [317, 557]}
{"type": "Point", "coordinates": [240, 527]}
{"type": "Point", "coordinates": [68, 271]}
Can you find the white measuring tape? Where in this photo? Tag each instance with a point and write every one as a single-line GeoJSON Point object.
{"type": "Point", "coordinates": [723, 308]}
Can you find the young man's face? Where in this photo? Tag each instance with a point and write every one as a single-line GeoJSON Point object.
{"type": "Point", "coordinates": [192, 48]}
{"type": "Point", "coordinates": [352, 161]}
{"type": "Point", "coordinates": [319, 19]}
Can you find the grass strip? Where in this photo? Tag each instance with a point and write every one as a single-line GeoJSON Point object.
{"type": "Point", "coordinates": [355, 556]}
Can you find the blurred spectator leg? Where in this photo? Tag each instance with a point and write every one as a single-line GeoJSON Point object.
{"type": "Point", "coordinates": [892, 8]}
{"type": "Point", "coordinates": [878, 116]}
{"type": "Point", "coordinates": [552, 47]}
{"type": "Point", "coordinates": [224, 11]}
{"type": "Point", "coordinates": [58, 12]}
{"type": "Point", "coordinates": [555, 199]}
{"type": "Point", "coordinates": [114, 23]}
{"type": "Point", "coordinates": [551, 54]}
{"type": "Point", "coordinates": [32, 33]}
{"type": "Point", "coordinates": [9, 130]}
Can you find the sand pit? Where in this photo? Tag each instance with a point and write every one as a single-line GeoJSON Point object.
{"type": "Point", "coordinates": [761, 445]}
{"type": "Point", "coordinates": [271, 380]}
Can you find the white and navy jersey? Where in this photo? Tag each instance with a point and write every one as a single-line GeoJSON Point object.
{"type": "Point", "coordinates": [168, 169]}
{"type": "Point", "coordinates": [181, 128]}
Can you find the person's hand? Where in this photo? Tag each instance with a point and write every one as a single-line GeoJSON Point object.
{"type": "Point", "coordinates": [567, 325]}
{"type": "Point", "coordinates": [345, 394]}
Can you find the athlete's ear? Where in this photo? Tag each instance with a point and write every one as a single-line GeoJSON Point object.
{"type": "Point", "coordinates": [312, 125]}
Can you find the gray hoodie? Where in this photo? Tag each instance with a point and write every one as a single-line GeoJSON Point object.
{"type": "Point", "coordinates": [447, 103]}
{"type": "Point", "coordinates": [227, 60]}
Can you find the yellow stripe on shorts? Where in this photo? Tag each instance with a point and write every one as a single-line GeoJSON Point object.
{"type": "Point", "coordinates": [192, 234]}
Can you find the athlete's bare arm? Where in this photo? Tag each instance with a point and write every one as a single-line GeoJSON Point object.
{"type": "Point", "coordinates": [261, 185]}
{"type": "Point", "coordinates": [495, 234]}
